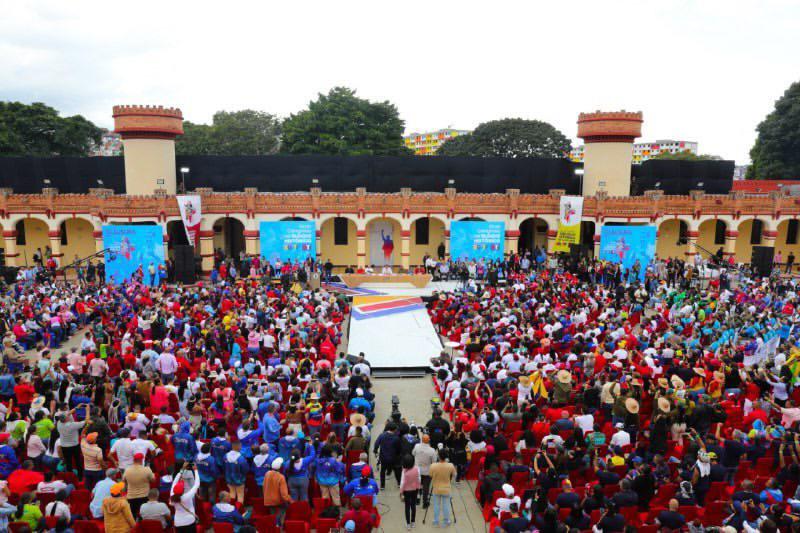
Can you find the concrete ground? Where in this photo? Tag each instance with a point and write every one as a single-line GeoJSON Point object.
{"type": "Point", "coordinates": [415, 395]}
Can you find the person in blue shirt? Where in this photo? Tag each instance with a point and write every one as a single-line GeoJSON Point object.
{"type": "Point", "coordinates": [236, 469]}
{"type": "Point", "coordinates": [185, 445]}
{"type": "Point", "coordinates": [8, 461]}
{"type": "Point", "coordinates": [359, 401]}
{"type": "Point", "coordinates": [298, 474]}
{"type": "Point", "coordinates": [208, 470]}
{"type": "Point", "coordinates": [262, 463]}
{"type": "Point", "coordinates": [220, 446]}
{"type": "Point", "coordinates": [272, 427]}
{"type": "Point", "coordinates": [224, 512]}
{"type": "Point", "coordinates": [7, 384]}
{"type": "Point", "coordinates": [364, 486]}
{"type": "Point", "coordinates": [329, 473]}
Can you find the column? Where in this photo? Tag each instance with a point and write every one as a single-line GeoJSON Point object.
{"type": "Point", "coordinates": [405, 249]}
{"type": "Point", "coordinates": [207, 251]}
{"type": "Point", "coordinates": [98, 241]}
{"type": "Point", "coordinates": [596, 242]}
{"type": "Point", "coordinates": [768, 237]}
{"type": "Point", "coordinates": [361, 248]}
{"type": "Point", "coordinates": [10, 238]}
{"type": "Point", "coordinates": [551, 241]}
{"type": "Point", "coordinates": [251, 242]}
{"type": "Point", "coordinates": [730, 244]}
{"type": "Point", "coordinates": [512, 241]}
{"type": "Point", "coordinates": [446, 244]}
{"type": "Point", "coordinates": [55, 246]}
{"type": "Point", "coordinates": [691, 243]}
{"type": "Point", "coordinates": [319, 246]}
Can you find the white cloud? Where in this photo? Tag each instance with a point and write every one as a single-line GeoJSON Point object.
{"type": "Point", "coordinates": [706, 71]}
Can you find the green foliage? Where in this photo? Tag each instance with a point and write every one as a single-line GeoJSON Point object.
{"type": "Point", "coordinates": [510, 137]}
{"type": "Point", "coordinates": [340, 123]}
{"type": "Point", "coordinates": [244, 132]}
{"type": "Point", "coordinates": [687, 156]}
{"type": "Point", "coordinates": [776, 153]}
{"type": "Point", "coordinates": [38, 130]}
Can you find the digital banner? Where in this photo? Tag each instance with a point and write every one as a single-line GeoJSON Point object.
{"type": "Point", "coordinates": [129, 247]}
{"type": "Point", "coordinates": [381, 243]}
{"type": "Point", "coordinates": [190, 214]}
{"type": "Point", "coordinates": [569, 223]}
{"type": "Point", "coordinates": [628, 244]}
{"type": "Point", "coordinates": [474, 239]}
{"type": "Point", "coordinates": [288, 240]}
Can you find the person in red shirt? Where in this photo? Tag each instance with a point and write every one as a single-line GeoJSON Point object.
{"type": "Point", "coordinates": [24, 479]}
{"type": "Point", "coordinates": [364, 520]}
{"type": "Point", "coordinates": [24, 393]}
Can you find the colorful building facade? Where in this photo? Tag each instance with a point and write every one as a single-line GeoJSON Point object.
{"type": "Point", "coordinates": [646, 150]}
{"type": "Point", "coordinates": [427, 143]}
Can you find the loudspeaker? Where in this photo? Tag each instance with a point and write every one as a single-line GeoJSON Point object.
{"type": "Point", "coordinates": [762, 260]}
{"type": "Point", "coordinates": [9, 274]}
{"type": "Point", "coordinates": [184, 264]}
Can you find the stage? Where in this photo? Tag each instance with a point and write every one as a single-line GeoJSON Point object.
{"type": "Point", "coordinates": [394, 332]}
{"type": "Point", "coordinates": [357, 280]}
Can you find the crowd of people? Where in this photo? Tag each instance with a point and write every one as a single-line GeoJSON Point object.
{"type": "Point", "coordinates": [590, 396]}
{"type": "Point", "coordinates": [181, 407]}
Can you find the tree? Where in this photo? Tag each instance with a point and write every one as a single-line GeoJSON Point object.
{"type": "Point", "coordinates": [245, 132]}
{"type": "Point", "coordinates": [38, 130]}
{"type": "Point", "coordinates": [687, 156]}
{"type": "Point", "coordinates": [776, 153]}
{"type": "Point", "coordinates": [510, 137]}
{"type": "Point", "coordinates": [340, 123]}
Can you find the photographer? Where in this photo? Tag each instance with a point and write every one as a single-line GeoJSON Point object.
{"type": "Point", "coordinates": [438, 428]}
{"type": "Point", "coordinates": [387, 447]}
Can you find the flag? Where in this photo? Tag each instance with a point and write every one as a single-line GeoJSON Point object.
{"type": "Point", "coordinates": [190, 214]}
{"type": "Point", "coordinates": [569, 223]}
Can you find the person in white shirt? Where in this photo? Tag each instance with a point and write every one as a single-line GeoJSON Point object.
{"type": "Point", "coordinates": [182, 500]}
{"type": "Point", "coordinates": [621, 437]}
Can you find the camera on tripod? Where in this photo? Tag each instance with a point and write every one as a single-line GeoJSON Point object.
{"type": "Point", "coordinates": [395, 404]}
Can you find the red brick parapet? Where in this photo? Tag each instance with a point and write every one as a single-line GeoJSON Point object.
{"type": "Point", "coordinates": [147, 122]}
{"type": "Point", "coordinates": [617, 126]}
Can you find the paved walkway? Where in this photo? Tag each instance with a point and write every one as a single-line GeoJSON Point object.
{"type": "Point", "coordinates": [415, 395]}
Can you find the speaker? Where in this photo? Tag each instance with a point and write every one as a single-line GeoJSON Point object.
{"type": "Point", "coordinates": [9, 274]}
{"type": "Point", "coordinates": [184, 264]}
{"type": "Point", "coordinates": [762, 260]}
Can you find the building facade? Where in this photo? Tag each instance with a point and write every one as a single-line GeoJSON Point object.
{"type": "Point", "coordinates": [70, 225]}
{"type": "Point", "coordinates": [645, 150]}
{"type": "Point", "coordinates": [427, 143]}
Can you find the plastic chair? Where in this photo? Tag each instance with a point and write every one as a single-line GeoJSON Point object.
{"type": "Point", "coordinates": [79, 502]}
{"type": "Point", "coordinates": [223, 527]}
{"type": "Point", "coordinates": [265, 524]}
{"type": "Point", "coordinates": [295, 526]}
{"type": "Point", "coordinates": [87, 526]}
{"type": "Point", "coordinates": [50, 521]}
{"type": "Point", "coordinates": [149, 526]}
{"type": "Point", "coordinates": [324, 525]}
{"type": "Point", "coordinates": [14, 527]}
{"type": "Point", "coordinates": [298, 511]}
{"type": "Point", "coordinates": [44, 498]}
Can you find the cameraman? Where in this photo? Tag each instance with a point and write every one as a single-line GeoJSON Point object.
{"type": "Point", "coordinates": [387, 448]}
{"type": "Point", "coordinates": [438, 428]}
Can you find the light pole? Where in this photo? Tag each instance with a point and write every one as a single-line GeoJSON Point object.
{"type": "Point", "coordinates": [579, 173]}
{"type": "Point", "coordinates": [184, 171]}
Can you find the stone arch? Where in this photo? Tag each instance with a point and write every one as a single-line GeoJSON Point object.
{"type": "Point", "coordinates": [342, 252]}
{"type": "Point", "coordinates": [711, 236]}
{"type": "Point", "coordinates": [750, 232]}
{"type": "Point", "coordinates": [32, 235]}
{"type": "Point", "coordinates": [787, 239]}
{"type": "Point", "coordinates": [588, 228]}
{"type": "Point", "coordinates": [532, 234]}
{"type": "Point", "coordinates": [424, 242]}
{"type": "Point", "coordinates": [77, 239]}
{"type": "Point", "coordinates": [229, 236]}
{"type": "Point", "coordinates": [176, 235]}
{"type": "Point", "coordinates": [292, 219]}
{"type": "Point", "coordinates": [671, 242]}
{"type": "Point", "coordinates": [376, 230]}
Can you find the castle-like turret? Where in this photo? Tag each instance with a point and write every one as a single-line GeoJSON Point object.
{"type": "Point", "coordinates": [608, 150]}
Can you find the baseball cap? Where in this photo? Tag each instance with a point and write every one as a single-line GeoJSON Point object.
{"type": "Point", "coordinates": [138, 456]}
{"type": "Point", "coordinates": [366, 471]}
{"type": "Point", "coordinates": [117, 489]}
{"type": "Point", "coordinates": [350, 525]}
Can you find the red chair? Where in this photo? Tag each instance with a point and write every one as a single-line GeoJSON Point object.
{"type": "Point", "coordinates": [50, 521]}
{"type": "Point", "coordinates": [149, 526]}
{"type": "Point", "coordinates": [764, 466]}
{"type": "Point", "coordinates": [88, 526]}
{"type": "Point", "coordinates": [324, 525]}
{"type": "Point", "coordinates": [79, 502]}
{"type": "Point", "coordinates": [649, 528]}
{"type": "Point", "coordinates": [298, 511]}
{"type": "Point", "coordinates": [257, 503]}
{"type": "Point", "coordinates": [265, 524]}
{"type": "Point", "coordinates": [475, 464]}
{"type": "Point", "coordinates": [295, 526]}
{"type": "Point", "coordinates": [44, 498]}
{"type": "Point", "coordinates": [367, 503]}
{"type": "Point", "coordinates": [223, 527]}
{"type": "Point", "coordinates": [715, 512]}
{"type": "Point", "coordinates": [70, 479]}
{"type": "Point", "coordinates": [689, 512]}
{"type": "Point", "coordinates": [16, 527]}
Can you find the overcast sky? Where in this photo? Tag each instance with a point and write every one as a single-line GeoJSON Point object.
{"type": "Point", "coordinates": [706, 70]}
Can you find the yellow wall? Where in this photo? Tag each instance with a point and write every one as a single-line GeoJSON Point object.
{"type": "Point", "coordinates": [707, 232]}
{"type": "Point", "coordinates": [339, 255]}
{"type": "Point", "coordinates": [147, 161]}
{"type": "Point", "coordinates": [782, 247]}
{"type": "Point", "coordinates": [80, 240]}
{"type": "Point", "coordinates": [435, 238]}
{"type": "Point", "coordinates": [35, 237]}
{"type": "Point", "coordinates": [608, 162]}
{"type": "Point", "coordinates": [666, 243]}
{"type": "Point", "coordinates": [744, 250]}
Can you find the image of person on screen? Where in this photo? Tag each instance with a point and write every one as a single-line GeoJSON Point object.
{"type": "Point", "coordinates": [388, 247]}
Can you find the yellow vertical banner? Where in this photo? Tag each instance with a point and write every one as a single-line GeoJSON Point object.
{"type": "Point", "coordinates": [569, 223]}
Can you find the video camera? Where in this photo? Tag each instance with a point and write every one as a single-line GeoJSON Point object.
{"type": "Point", "coordinates": [395, 404]}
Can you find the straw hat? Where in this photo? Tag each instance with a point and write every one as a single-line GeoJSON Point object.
{"type": "Point", "coordinates": [664, 405]}
{"type": "Point", "coordinates": [564, 377]}
{"type": "Point", "coordinates": [677, 382]}
{"type": "Point", "coordinates": [632, 405]}
{"type": "Point", "coordinates": [663, 383]}
{"type": "Point", "coordinates": [525, 381]}
{"type": "Point", "coordinates": [357, 419]}
{"type": "Point", "coordinates": [700, 372]}
{"type": "Point", "coordinates": [636, 382]}
{"type": "Point", "coordinates": [38, 402]}
{"type": "Point", "coordinates": [719, 375]}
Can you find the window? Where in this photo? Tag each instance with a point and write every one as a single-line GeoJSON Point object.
{"type": "Point", "coordinates": [21, 233]}
{"type": "Point", "coordinates": [791, 232]}
{"type": "Point", "coordinates": [683, 232]}
{"type": "Point", "coordinates": [719, 233]}
{"type": "Point", "coordinates": [755, 232]}
{"type": "Point", "coordinates": [423, 230]}
{"type": "Point", "coordinates": [340, 231]}
{"type": "Point", "coordinates": [63, 230]}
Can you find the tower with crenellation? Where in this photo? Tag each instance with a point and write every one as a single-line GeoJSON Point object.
{"type": "Point", "coordinates": [608, 138]}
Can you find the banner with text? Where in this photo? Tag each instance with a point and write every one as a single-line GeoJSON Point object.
{"type": "Point", "coordinates": [130, 247]}
{"type": "Point", "coordinates": [474, 239]}
{"type": "Point", "coordinates": [569, 223]}
{"type": "Point", "coordinates": [627, 245]}
{"type": "Point", "coordinates": [190, 214]}
{"type": "Point", "coordinates": [290, 240]}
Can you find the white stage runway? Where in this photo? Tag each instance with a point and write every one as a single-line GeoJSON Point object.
{"type": "Point", "coordinates": [393, 331]}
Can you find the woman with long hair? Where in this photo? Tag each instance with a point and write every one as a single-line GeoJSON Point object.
{"type": "Point", "coordinates": [410, 484]}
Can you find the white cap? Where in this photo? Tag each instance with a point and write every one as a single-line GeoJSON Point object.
{"type": "Point", "coordinates": [277, 463]}
{"type": "Point", "coordinates": [360, 391]}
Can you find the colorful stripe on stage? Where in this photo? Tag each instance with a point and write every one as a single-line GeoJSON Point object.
{"type": "Point", "coordinates": [341, 288]}
{"type": "Point", "coordinates": [376, 306]}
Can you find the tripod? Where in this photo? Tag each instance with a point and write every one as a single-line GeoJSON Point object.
{"type": "Point", "coordinates": [430, 497]}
